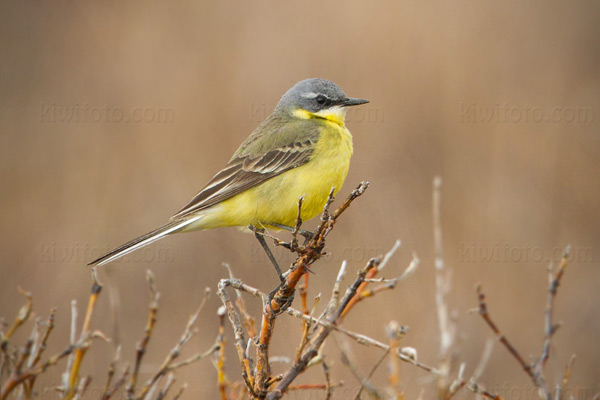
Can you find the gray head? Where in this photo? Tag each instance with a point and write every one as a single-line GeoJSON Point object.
{"type": "Point", "coordinates": [316, 95]}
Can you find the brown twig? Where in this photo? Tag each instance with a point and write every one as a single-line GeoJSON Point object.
{"type": "Point", "coordinates": [483, 311]}
{"type": "Point", "coordinates": [535, 370]}
{"type": "Point", "coordinates": [111, 372]}
{"type": "Point", "coordinates": [387, 284]}
{"type": "Point", "coordinates": [238, 329]}
{"type": "Point", "coordinates": [143, 344]}
{"type": "Point", "coordinates": [365, 383]}
{"type": "Point", "coordinates": [306, 327]}
{"type": "Point", "coordinates": [311, 252]}
{"type": "Point", "coordinates": [326, 325]}
{"type": "Point", "coordinates": [328, 387]}
{"type": "Point", "coordinates": [120, 382]}
{"type": "Point", "coordinates": [16, 378]}
{"type": "Point", "coordinates": [176, 351]}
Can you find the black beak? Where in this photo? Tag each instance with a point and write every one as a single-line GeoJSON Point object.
{"type": "Point", "coordinates": [353, 102]}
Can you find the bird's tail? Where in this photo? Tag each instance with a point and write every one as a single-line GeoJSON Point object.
{"type": "Point", "coordinates": [144, 240]}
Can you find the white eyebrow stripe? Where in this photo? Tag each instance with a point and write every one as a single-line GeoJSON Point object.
{"type": "Point", "coordinates": [309, 95]}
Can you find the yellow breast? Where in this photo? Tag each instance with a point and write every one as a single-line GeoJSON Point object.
{"type": "Point", "coordinates": [276, 200]}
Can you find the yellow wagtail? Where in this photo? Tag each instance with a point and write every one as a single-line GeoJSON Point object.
{"type": "Point", "coordinates": [302, 149]}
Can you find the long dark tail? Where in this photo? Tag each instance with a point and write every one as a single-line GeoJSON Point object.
{"type": "Point", "coordinates": [144, 240]}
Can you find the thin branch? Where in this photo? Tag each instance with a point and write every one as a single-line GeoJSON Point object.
{"type": "Point", "coordinates": [143, 344]}
{"type": "Point", "coordinates": [18, 377]}
{"type": "Point", "coordinates": [236, 323]}
{"type": "Point", "coordinates": [120, 382]}
{"type": "Point", "coordinates": [512, 350]}
{"type": "Point", "coordinates": [476, 388]}
{"type": "Point", "coordinates": [176, 351]}
{"type": "Point", "coordinates": [457, 384]}
{"type": "Point", "coordinates": [111, 372]}
{"type": "Point", "coordinates": [84, 341]}
{"type": "Point", "coordinates": [550, 327]}
{"type": "Point", "coordinates": [365, 382]}
{"type": "Point", "coordinates": [280, 300]}
{"type": "Point", "coordinates": [221, 359]}
{"type": "Point", "coordinates": [162, 393]}
{"type": "Point", "coordinates": [21, 317]}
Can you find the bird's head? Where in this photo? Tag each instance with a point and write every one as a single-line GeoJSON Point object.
{"type": "Point", "coordinates": [317, 98]}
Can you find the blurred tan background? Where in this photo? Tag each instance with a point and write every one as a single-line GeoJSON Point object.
{"type": "Point", "coordinates": [113, 115]}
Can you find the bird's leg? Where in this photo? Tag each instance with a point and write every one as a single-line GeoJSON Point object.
{"type": "Point", "coordinates": [304, 233]}
{"type": "Point", "coordinates": [259, 233]}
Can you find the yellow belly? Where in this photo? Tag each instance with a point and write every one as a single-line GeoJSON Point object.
{"type": "Point", "coordinates": [276, 200]}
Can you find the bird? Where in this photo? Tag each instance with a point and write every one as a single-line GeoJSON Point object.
{"type": "Point", "coordinates": [302, 149]}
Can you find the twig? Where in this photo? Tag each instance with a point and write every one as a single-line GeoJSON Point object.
{"type": "Point", "coordinates": [327, 324]}
{"type": "Point", "coordinates": [370, 375]}
{"type": "Point", "coordinates": [221, 359]}
{"type": "Point", "coordinates": [241, 304]}
{"type": "Point", "coordinates": [120, 382]}
{"type": "Point", "coordinates": [328, 387]}
{"type": "Point", "coordinates": [181, 389]}
{"type": "Point", "coordinates": [388, 284]}
{"type": "Point", "coordinates": [512, 350]}
{"type": "Point", "coordinates": [394, 332]}
{"type": "Point", "coordinates": [195, 358]}
{"type": "Point", "coordinates": [82, 387]}
{"type": "Point", "coordinates": [22, 316]}
{"type": "Point", "coordinates": [18, 377]}
{"type": "Point", "coordinates": [308, 255]}
{"type": "Point", "coordinates": [335, 293]}
{"type": "Point", "coordinates": [565, 380]}
{"type": "Point", "coordinates": [175, 352]}
{"type": "Point", "coordinates": [442, 285]}
{"type": "Point", "coordinates": [457, 384]}
{"type": "Point", "coordinates": [550, 328]}
{"type": "Point", "coordinates": [162, 393]}
{"type": "Point", "coordinates": [83, 343]}
{"type": "Point", "coordinates": [375, 265]}
{"type": "Point", "coordinates": [143, 344]}
{"type": "Point", "coordinates": [476, 388]}
{"type": "Point", "coordinates": [365, 382]}
{"type": "Point", "coordinates": [111, 372]}
{"type": "Point", "coordinates": [238, 330]}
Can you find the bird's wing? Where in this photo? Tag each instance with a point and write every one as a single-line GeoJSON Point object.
{"type": "Point", "coordinates": [245, 171]}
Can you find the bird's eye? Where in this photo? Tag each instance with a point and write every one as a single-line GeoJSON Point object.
{"type": "Point", "coordinates": [321, 99]}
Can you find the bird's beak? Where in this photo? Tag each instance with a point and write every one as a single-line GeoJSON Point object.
{"type": "Point", "coordinates": [353, 102]}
